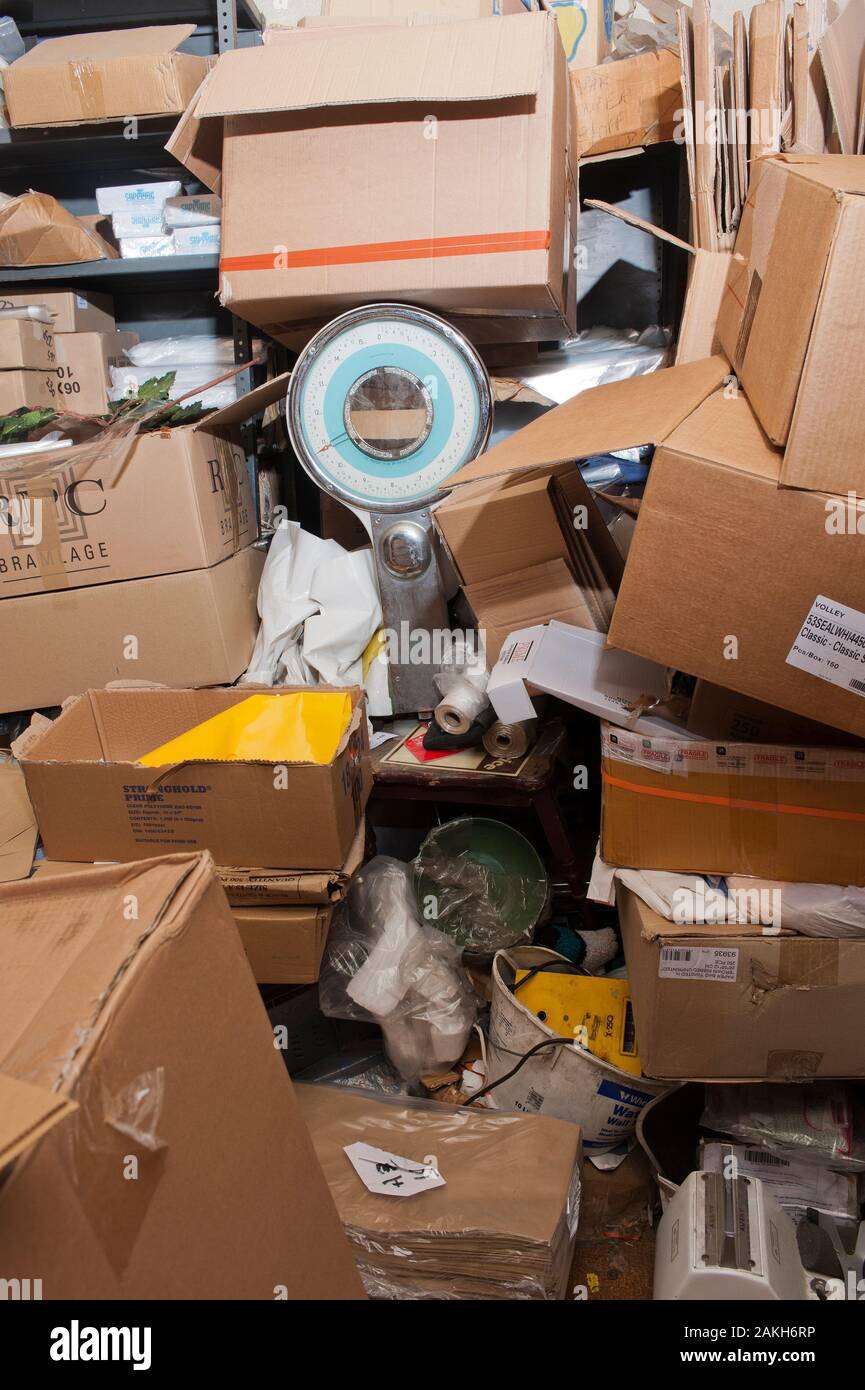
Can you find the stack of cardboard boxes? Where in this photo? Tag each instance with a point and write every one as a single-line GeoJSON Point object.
{"type": "Point", "coordinates": [87, 344]}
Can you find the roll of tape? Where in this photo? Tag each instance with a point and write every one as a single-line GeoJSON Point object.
{"type": "Point", "coordinates": [461, 707]}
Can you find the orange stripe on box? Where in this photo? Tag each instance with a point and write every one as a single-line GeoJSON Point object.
{"type": "Point", "coordinates": [425, 248]}
{"type": "Point", "coordinates": [738, 803]}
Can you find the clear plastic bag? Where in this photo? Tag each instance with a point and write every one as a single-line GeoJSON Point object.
{"type": "Point", "coordinates": [485, 893]}
{"type": "Point", "coordinates": [383, 967]}
{"type": "Point", "coordinates": [820, 1122]}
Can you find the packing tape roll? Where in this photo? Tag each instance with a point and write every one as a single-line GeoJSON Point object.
{"type": "Point", "coordinates": [509, 741]}
{"type": "Point", "coordinates": [461, 707]}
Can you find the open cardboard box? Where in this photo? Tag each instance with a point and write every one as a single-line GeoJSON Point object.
{"type": "Point", "coordinates": [735, 1004]}
{"type": "Point", "coordinates": [113, 74]}
{"type": "Point", "coordinates": [792, 314]}
{"type": "Point", "coordinates": [94, 802]}
{"type": "Point", "coordinates": [133, 1042]}
{"type": "Point", "coordinates": [403, 132]}
{"type": "Point", "coordinates": [156, 503]}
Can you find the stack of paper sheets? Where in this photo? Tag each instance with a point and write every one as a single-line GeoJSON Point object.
{"type": "Point", "coordinates": [501, 1226]}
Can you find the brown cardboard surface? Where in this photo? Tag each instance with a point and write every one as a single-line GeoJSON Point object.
{"type": "Point", "coordinates": [524, 598]}
{"type": "Point", "coordinates": [37, 230]}
{"type": "Point", "coordinates": [177, 629]}
{"type": "Point", "coordinates": [75, 311]}
{"type": "Point", "coordinates": [83, 368]}
{"type": "Point", "coordinates": [792, 814]}
{"type": "Point", "coordinates": [26, 1113]}
{"type": "Point", "coordinates": [620, 415]}
{"type": "Point", "coordinates": [403, 209]}
{"type": "Point", "coordinates": [793, 1011]}
{"type": "Point", "coordinates": [36, 390]}
{"type": "Point", "coordinates": [18, 832]}
{"type": "Point", "coordinates": [698, 331]}
{"type": "Point", "coordinates": [717, 713]}
{"type": "Point", "coordinates": [842, 55]}
{"type": "Point", "coordinates": [114, 1010]}
{"type": "Point", "coordinates": [284, 945]}
{"type": "Point", "coordinates": [243, 812]}
{"type": "Point", "coordinates": [178, 500]}
{"type": "Point", "coordinates": [799, 356]}
{"type": "Point", "coordinates": [771, 557]}
{"type": "Point", "coordinates": [94, 77]}
{"type": "Point", "coordinates": [626, 104]}
{"type": "Point", "coordinates": [263, 887]}
{"type": "Point", "coordinates": [765, 38]}
{"type": "Point", "coordinates": [24, 343]}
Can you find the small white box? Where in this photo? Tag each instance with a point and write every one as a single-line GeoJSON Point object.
{"type": "Point", "coordinates": [126, 197]}
{"type": "Point", "coordinates": [197, 241]}
{"type": "Point", "coordinates": [133, 248]}
{"type": "Point", "coordinates": [197, 210]}
{"type": "Point", "coordinates": [141, 222]}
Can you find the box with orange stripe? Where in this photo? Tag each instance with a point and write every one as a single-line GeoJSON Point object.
{"type": "Point", "coordinates": [778, 812]}
{"type": "Point", "coordinates": [431, 164]}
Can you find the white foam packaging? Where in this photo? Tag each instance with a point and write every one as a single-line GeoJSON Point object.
{"type": "Point", "coordinates": [196, 241]}
{"type": "Point", "coordinates": [137, 223]}
{"type": "Point", "coordinates": [145, 247]}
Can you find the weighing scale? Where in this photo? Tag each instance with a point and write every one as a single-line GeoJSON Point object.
{"type": "Point", "coordinates": [384, 405]}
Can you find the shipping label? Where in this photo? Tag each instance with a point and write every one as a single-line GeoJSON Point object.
{"type": "Point", "coordinates": [718, 963]}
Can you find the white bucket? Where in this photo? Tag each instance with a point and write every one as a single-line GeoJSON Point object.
{"type": "Point", "coordinates": [565, 1082]}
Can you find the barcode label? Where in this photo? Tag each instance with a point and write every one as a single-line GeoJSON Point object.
{"type": "Point", "coordinates": [718, 963]}
{"type": "Point", "coordinates": [831, 644]}
{"type": "Point", "coordinates": [764, 1157]}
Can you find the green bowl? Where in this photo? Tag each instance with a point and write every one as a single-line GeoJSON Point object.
{"type": "Point", "coordinates": [481, 883]}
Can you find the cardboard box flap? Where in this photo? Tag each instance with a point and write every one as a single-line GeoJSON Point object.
{"type": "Point", "coordinates": [154, 40]}
{"type": "Point", "coordinates": [726, 431]}
{"type": "Point", "coordinates": [620, 415]}
{"type": "Point", "coordinates": [197, 144]}
{"type": "Point", "coordinates": [254, 402]}
{"type": "Point", "coordinates": [18, 832]}
{"type": "Point", "coordinates": [48, 1009]}
{"type": "Point", "coordinates": [26, 1113]}
{"type": "Point", "coordinates": [843, 173]}
{"type": "Point", "coordinates": [475, 61]}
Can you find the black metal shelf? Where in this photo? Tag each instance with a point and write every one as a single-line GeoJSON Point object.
{"type": "Point", "coordinates": [122, 276]}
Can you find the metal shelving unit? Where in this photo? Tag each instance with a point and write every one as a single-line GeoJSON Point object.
{"type": "Point", "coordinates": [122, 276]}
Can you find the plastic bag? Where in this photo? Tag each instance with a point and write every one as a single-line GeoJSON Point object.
{"type": "Point", "coordinates": [383, 967]}
{"type": "Point", "coordinates": [595, 357]}
{"type": "Point", "coordinates": [481, 900]}
{"type": "Point", "coordinates": [817, 1123]}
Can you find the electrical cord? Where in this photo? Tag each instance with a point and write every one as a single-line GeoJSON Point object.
{"type": "Point", "coordinates": [491, 1086]}
{"type": "Point", "coordinates": [563, 967]}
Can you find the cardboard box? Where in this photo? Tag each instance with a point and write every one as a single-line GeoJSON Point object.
{"type": "Point", "coordinates": [423, 9]}
{"type": "Point", "coordinates": [84, 362]}
{"type": "Point", "coordinates": [263, 887]}
{"type": "Point", "coordinates": [25, 343]}
{"type": "Point", "coordinates": [37, 230]}
{"type": "Point", "coordinates": [284, 945]}
{"type": "Point", "coordinates": [626, 104]}
{"type": "Point", "coordinates": [731, 1004]}
{"type": "Point", "coordinates": [198, 627]}
{"type": "Point", "coordinates": [722, 714]}
{"type": "Point", "coordinates": [147, 1070]}
{"type": "Point", "coordinates": [751, 586]}
{"type": "Point", "coordinates": [402, 132]}
{"type": "Point", "coordinates": [800, 355]}
{"type": "Point", "coordinates": [93, 802]}
{"type": "Point", "coordinates": [771, 811]}
{"type": "Point", "coordinates": [36, 390]}
{"type": "Point", "coordinates": [168, 501]}
{"type": "Point", "coordinates": [109, 75]}
{"type": "Point", "coordinates": [75, 311]}
{"type": "Point", "coordinates": [527, 597]}
{"type": "Point", "coordinates": [585, 28]}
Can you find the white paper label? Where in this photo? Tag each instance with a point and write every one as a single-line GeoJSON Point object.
{"type": "Point", "coordinates": [389, 1175]}
{"type": "Point", "coordinates": [831, 645]}
{"type": "Point", "coordinates": [719, 963]}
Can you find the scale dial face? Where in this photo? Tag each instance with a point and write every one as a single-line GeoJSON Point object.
{"type": "Point", "coordinates": [384, 404]}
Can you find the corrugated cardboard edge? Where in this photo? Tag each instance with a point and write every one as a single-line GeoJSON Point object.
{"type": "Point", "coordinates": [26, 1114]}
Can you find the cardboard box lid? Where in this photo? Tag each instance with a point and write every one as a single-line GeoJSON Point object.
{"type": "Point", "coordinates": [474, 61]}
{"type": "Point", "coordinates": [620, 415]}
{"type": "Point", "coordinates": [18, 833]}
{"type": "Point", "coordinates": [254, 402]}
{"type": "Point", "coordinates": [725, 430]}
{"type": "Point", "coordinates": [842, 173]}
{"type": "Point", "coordinates": [26, 1113]}
{"type": "Point", "coordinates": [154, 40]}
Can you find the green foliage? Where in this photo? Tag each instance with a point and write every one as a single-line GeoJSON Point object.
{"type": "Point", "coordinates": [17, 427]}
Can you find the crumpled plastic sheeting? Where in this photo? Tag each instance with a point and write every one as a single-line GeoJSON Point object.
{"type": "Point", "coordinates": [382, 966]}
{"type": "Point", "coordinates": [319, 609]}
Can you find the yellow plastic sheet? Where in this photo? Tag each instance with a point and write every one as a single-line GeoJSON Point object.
{"type": "Point", "coordinates": [303, 727]}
